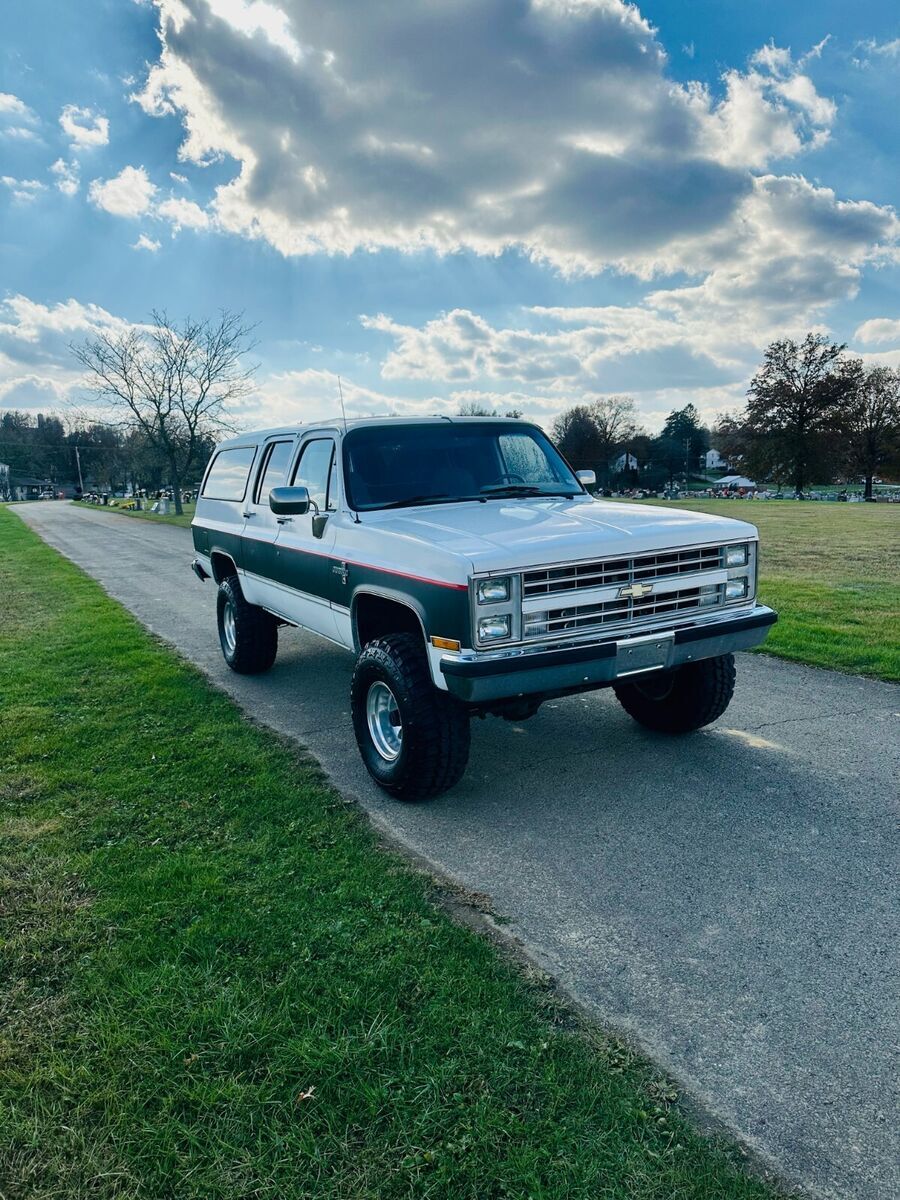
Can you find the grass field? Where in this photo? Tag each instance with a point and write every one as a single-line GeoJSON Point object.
{"type": "Point", "coordinates": [170, 519]}
{"type": "Point", "coordinates": [214, 983]}
{"type": "Point", "coordinates": [833, 572]}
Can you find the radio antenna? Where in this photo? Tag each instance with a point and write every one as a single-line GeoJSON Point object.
{"type": "Point", "coordinates": [343, 411]}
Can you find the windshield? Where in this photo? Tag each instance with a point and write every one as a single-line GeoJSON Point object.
{"type": "Point", "coordinates": [392, 466]}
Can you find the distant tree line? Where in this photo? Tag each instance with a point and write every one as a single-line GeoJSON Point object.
{"type": "Point", "coordinates": [814, 414]}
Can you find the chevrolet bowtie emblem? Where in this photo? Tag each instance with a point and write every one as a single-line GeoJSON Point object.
{"type": "Point", "coordinates": [635, 590]}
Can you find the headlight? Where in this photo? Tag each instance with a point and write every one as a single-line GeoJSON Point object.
{"type": "Point", "coordinates": [736, 589]}
{"type": "Point", "coordinates": [493, 591]}
{"type": "Point", "coordinates": [493, 628]}
{"type": "Point", "coordinates": [736, 556]}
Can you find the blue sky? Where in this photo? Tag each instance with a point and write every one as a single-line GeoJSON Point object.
{"type": "Point", "coordinates": [528, 202]}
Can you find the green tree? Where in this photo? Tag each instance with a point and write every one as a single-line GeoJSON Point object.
{"type": "Point", "coordinates": [681, 443]}
{"type": "Point", "coordinates": [873, 423]}
{"type": "Point", "coordinates": [798, 404]}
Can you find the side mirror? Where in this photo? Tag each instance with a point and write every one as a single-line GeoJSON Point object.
{"type": "Point", "coordinates": [587, 479]}
{"type": "Point", "coordinates": [289, 501]}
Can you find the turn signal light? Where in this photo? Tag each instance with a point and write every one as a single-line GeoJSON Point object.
{"type": "Point", "coordinates": [445, 643]}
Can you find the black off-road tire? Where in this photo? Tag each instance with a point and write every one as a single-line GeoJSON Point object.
{"type": "Point", "coordinates": [682, 700]}
{"type": "Point", "coordinates": [434, 746]}
{"type": "Point", "coordinates": [252, 642]}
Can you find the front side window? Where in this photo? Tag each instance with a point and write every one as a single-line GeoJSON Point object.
{"type": "Point", "coordinates": [393, 466]}
{"type": "Point", "coordinates": [228, 475]}
{"type": "Point", "coordinates": [274, 470]}
{"type": "Point", "coordinates": [315, 471]}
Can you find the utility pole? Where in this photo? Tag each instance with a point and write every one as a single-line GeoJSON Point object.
{"type": "Point", "coordinates": [78, 461]}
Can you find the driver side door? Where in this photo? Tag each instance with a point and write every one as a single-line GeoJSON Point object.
{"type": "Point", "coordinates": [303, 561]}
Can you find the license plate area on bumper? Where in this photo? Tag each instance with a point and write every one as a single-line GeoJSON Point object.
{"type": "Point", "coordinates": [651, 653]}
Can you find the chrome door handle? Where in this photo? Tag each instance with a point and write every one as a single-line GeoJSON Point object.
{"type": "Point", "coordinates": [283, 520]}
{"type": "Point", "coordinates": [248, 515]}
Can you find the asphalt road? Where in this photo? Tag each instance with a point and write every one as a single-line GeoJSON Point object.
{"type": "Point", "coordinates": [728, 900]}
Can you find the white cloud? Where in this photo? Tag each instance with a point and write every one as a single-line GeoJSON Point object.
{"type": "Point", "coordinates": [12, 106]}
{"type": "Point", "coordinates": [17, 120]}
{"type": "Point", "coordinates": [23, 190]}
{"type": "Point", "coordinates": [183, 214]}
{"type": "Point", "coordinates": [792, 250]}
{"type": "Point", "coordinates": [83, 127]}
{"type": "Point", "coordinates": [869, 49]}
{"type": "Point", "coordinates": [146, 243]}
{"type": "Point", "coordinates": [67, 178]}
{"type": "Point", "coordinates": [128, 194]}
{"type": "Point", "coordinates": [36, 366]}
{"type": "Point", "coordinates": [878, 330]}
{"type": "Point", "coordinates": [546, 125]}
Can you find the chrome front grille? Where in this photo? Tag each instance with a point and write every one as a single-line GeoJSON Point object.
{"type": "Point", "coordinates": [583, 617]}
{"type": "Point", "coordinates": [561, 585]}
{"type": "Point", "coordinates": [622, 571]}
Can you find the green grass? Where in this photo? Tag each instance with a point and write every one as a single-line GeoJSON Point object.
{"type": "Point", "coordinates": [215, 983]}
{"type": "Point", "coordinates": [833, 572]}
{"type": "Point", "coordinates": [144, 515]}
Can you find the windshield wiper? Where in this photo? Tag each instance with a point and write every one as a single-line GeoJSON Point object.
{"type": "Point", "coordinates": [520, 489]}
{"type": "Point", "coordinates": [412, 501]}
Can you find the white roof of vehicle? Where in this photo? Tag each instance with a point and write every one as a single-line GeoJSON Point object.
{"type": "Point", "coordinates": [339, 424]}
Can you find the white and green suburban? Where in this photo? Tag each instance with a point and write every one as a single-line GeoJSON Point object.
{"type": "Point", "coordinates": [471, 572]}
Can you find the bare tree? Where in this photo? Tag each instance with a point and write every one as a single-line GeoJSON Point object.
{"type": "Point", "coordinates": [171, 382]}
{"type": "Point", "coordinates": [590, 434]}
{"type": "Point", "coordinates": [473, 408]}
{"type": "Point", "coordinates": [798, 401]}
{"type": "Point", "coordinates": [873, 422]}
{"type": "Point", "coordinates": [615, 420]}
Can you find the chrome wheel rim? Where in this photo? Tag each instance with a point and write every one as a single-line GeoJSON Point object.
{"type": "Point", "coordinates": [383, 720]}
{"type": "Point", "coordinates": [229, 630]}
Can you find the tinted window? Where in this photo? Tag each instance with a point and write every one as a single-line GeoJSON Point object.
{"type": "Point", "coordinates": [228, 475]}
{"type": "Point", "coordinates": [274, 470]}
{"type": "Point", "coordinates": [315, 472]}
{"type": "Point", "coordinates": [391, 465]}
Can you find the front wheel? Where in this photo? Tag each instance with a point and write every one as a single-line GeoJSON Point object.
{"type": "Point", "coordinates": [413, 738]}
{"type": "Point", "coordinates": [682, 700]}
{"type": "Point", "coordinates": [247, 633]}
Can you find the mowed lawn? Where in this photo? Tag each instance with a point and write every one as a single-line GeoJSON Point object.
{"type": "Point", "coordinates": [832, 571]}
{"type": "Point", "coordinates": [215, 983]}
{"type": "Point", "coordinates": [144, 514]}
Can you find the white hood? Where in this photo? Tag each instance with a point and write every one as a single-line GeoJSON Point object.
{"type": "Point", "coordinates": [502, 535]}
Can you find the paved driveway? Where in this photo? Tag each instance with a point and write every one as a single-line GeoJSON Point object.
{"type": "Point", "coordinates": [728, 900]}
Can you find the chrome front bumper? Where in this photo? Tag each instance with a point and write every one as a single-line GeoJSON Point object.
{"type": "Point", "coordinates": [532, 671]}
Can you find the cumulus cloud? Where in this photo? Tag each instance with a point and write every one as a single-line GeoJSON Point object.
{"type": "Point", "coordinates": [23, 190]}
{"type": "Point", "coordinates": [84, 128]}
{"type": "Point", "coordinates": [545, 125]}
{"type": "Point", "coordinates": [17, 120]}
{"type": "Point", "coordinates": [146, 243]}
{"type": "Point", "coordinates": [183, 214]}
{"type": "Point", "coordinates": [878, 331]}
{"type": "Point", "coordinates": [128, 194]}
{"type": "Point", "coordinates": [792, 250]}
{"type": "Point", "coordinates": [36, 367]}
{"type": "Point", "coordinates": [67, 178]}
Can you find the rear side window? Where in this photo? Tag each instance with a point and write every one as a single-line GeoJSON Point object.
{"type": "Point", "coordinates": [228, 475]}
{"type": "Point", "coordinates": [273, 470]}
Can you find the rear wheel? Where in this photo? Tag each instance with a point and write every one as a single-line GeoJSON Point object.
{"type": "Point", "coordinates": [247, 633]}
{"type": "Point", "coordinates": [413, 738]}
{"type": "Point", "coordinates": [682, 700]}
